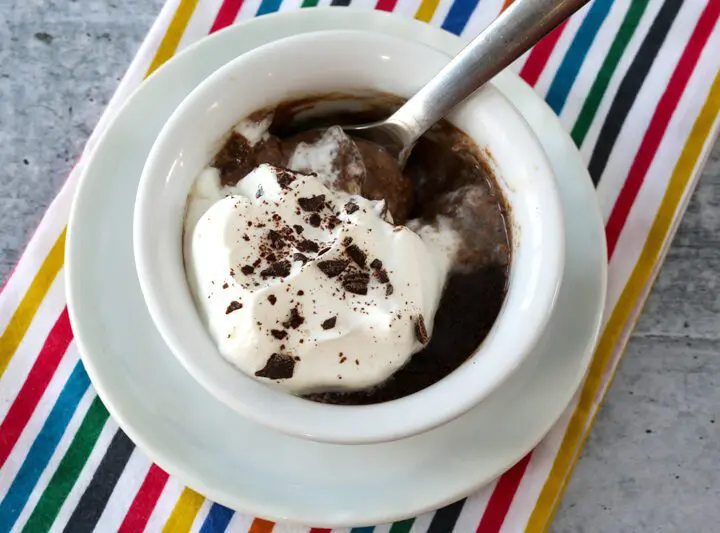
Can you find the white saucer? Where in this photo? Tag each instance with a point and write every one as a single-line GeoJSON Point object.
{"type": "Point", "coordinates": [253, 469]}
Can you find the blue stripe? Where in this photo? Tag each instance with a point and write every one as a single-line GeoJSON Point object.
{"type": "Point", "coordinates": [458, 16]}
{"type": "Point", "coordinates": [368, 529]}
{"type": "Point", "coordinates": [217, 519]}
{"type": "Point", "coordinates": [268, 6]}
{"type": "Point", "coordinates": [575, 56]}
{"type": "Point", "coordinates": [43, 447]}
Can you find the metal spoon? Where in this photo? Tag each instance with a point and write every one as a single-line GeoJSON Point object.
{"type": "Point", "coordinates": [518, 28]}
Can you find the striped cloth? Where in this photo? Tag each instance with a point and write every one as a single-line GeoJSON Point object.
{"type": "Point", "coordinates": [636, 83]}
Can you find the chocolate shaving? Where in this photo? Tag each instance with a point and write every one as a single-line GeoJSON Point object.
{"type": "Point", "coordinates": [332, 267]}
{"type": "Point", "coordinates": [356, 282]}
{"type": "Point", "coordinates": [247, 269]}
{"type": "Point", "coordinates": [421, 331]}
{"type": "Point", "coordinates": [272, 299]}
{"type": "Point", "coordinates": [278, 269]}
{"type": "Point", "coordinates": [298, 228]}
{"type": "Point", "coordinates": [276, 239]}
{"type": "Point", "coordinates": [351, 207]}
{"type": "Point", "coordinates": [278, 366]}
{"type": "Point", "coordinates": [329, 323]}
{"type": "Point", "coordinates": [357, 255]}
{"type": "Point", "coordinates": [285, 178]}
{"type": "Point", "coordinates": [278, 333]}
{"type": "Point", "coordinates": [234, 306]}
{"type": "Point", "coordinates": [295, 320]}
{"type": "Point", "coordinates": [312, 204]}
{"type": "Point", "coordinates": [307, 246]}
{"type": "Point", "coordinates": [333, 222]}
{"type": "Point", "coordinates": [376, 263]}
{"type": "Point", "coordinates": [300, 257]}
{"type": "Point", "coordinates": [315, 220]}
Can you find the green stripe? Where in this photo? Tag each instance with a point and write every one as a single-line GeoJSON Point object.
{"type": "Point", "coordinates": [402, 527]}
{"type": "Point", "coordinates": [69, 469]}
{"type": "Point", "coordinates": [600, 85]}
{"type": "Point", "coordinates": [309, 3]}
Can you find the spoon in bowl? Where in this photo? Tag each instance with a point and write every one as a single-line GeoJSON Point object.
{"type": "Point", "coordinates": [517, 29]}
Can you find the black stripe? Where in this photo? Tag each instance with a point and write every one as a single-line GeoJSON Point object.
{"type": "Point", "coordinates": [340, 3]}
{"type": "Point", "coordinates": [630, 87]}
{"type": "Point", "coordinates": [445, 518]}
{"type": "Point", "coordinates": [97, 493]}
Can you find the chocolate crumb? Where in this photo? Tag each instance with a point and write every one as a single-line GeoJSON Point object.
{"type": "Point", "coordinates": [234, 306]}
{"type": "Point", "coordinates": [277, 269]}
{"type": "Point", "coordinates": [301, 293]}
{"type": "Point", "coordinates": [381, 275]}
{"type": "Point", "coordinates": [343, 360]}
{"type": "Point", "coordinates": [272, 299]}
{"type": "Point", "coordinates": [225, 285]}
{"type": "Point", "coordinates": [347, 241]}
{"type": "Point", "coordinates": [421, 331]}
{"type": "Point", "coordinates": [298, 228]}
{"type": "Point", "coordinates": [315, 220]}
{"type": "Point", "coordinates": [357, 255]}
{"type": "Point", "coordinates": [376, 263]}
{"type": "Point", "coordinates": [332, 267]}
{"type": "Point", "coordinates": [389, 289]}
{"type": "Point", "coordinates": [278, 333]}
{"type": "Point", "coordinates": [307, 246]}
{"type": "Point", "coordinates": [300, 257]}
{"type": "Point", "coordinates": [357, 362]}
{"type": "Point", "coordinates": [351, 207]}
{"type": "Point", "coordinates": [356, 282]}
{"type": "Point", "coordinates": [312, 204]}
{"type": "Point", "coordinates": [333, 222]}
{"type": "Point", "coordinates": [247, 270]}
{"type": "Point", "coordinates": [329, 323]}
{"type": "Point", "coordinates": [295, 320]}
{"type": "Point", "coordinates": [246, 238]}
{"type": "Point", "coordinates": [278, 366]}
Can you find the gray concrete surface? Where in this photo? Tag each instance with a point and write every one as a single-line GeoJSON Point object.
{"type": "Point", "coordinates": [652, 461]}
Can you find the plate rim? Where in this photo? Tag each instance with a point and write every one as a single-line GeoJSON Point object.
{"type": "Point", "coordinates": [156, 455]}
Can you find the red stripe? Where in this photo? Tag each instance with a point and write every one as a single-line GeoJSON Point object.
{"type": "Point", "coordinates": [35, 385]}
{"type": "Point", "coordinates": [659, 123]}
{"type": "Point", "coordinates": [386, 5]}
{"type": "Point", "coordinates": [502, 497]}
{"type": "Point", "coordinates": [539, 56]}
{"type": "Point", "coordinates": [147, 496]}
{"type": "Point", "coordinates": [226, 15]}
{"type": "Point", "coordinates": [320, 530]}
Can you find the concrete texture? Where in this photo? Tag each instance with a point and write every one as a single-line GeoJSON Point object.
{"type": "Point", "coordinates": [650, 464]}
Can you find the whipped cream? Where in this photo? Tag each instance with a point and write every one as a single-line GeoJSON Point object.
{"type": "Point", "coordinates": [307, 287]}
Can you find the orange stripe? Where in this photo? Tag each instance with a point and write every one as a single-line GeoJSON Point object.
{"type": "Point", "coordinates": [624, 316]}
{"type": "Point", "coordinates": [174, 33]}
{"type": "Point", "coordinates": [184, 513]}
{"type": "Point", "coordinates": [261, 526]}
{"type": "Point", "coordinates": [426, 10]}
{"type": "Point", "coordinates": [21, 319]}
{"type": "Point", "coordinates": [506, 5]}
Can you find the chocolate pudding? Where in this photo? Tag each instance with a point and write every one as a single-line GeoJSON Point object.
{"type": "Point", "coordinates": [446, 181]}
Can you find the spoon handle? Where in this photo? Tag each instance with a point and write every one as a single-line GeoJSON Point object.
{"type": "Point", "coordinates": [518, 28]}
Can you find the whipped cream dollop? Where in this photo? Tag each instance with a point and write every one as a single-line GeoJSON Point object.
{"type": "Point", "coordinates": [307, 287]}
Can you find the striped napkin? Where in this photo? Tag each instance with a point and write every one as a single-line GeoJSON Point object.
{"type": "Point", "coordinates": [637, 85]}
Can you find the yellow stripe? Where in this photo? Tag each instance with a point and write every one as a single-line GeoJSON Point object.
{"type": "Point", "coordinates": [174, 33]}
{"type": "Point", "coordinates": [426, 10]}
{"type": "Point", "coordinates": [25, 312]}
{"type": "Point", "coordinates": [21, 319]}
{"type": "Point", "coordinates": [184, 513]}
{"type": "Point", "coordinates": [578, 427]}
